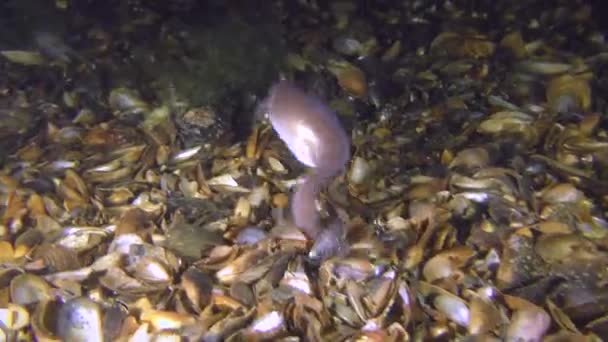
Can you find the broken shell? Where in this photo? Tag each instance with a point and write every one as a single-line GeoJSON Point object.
{"type": "Point", "coordinates": [185, 155]}
{"type": "Point", "coordinates": [267, 326]}
{"type": "Point", "coordinates": [446, 263]}
{"type": "Point", "coordinates": [350, 78]}
{"type": "Point", "coordinates": [125, 102]}
{"type": "Point", "coordinates": [14, 317]}
{"type": "Point", "coordinates": [241, 264]}
{"type": "Point", "coordinates": [567, 93]}
{"type": "Point", "coordinates": [197, 286]}
{"type": "Point", "coordinates": [23, 57]}
{"type": "Point", "coordinates": [462, 45]}
{"type": "Point", "coordinates": [79, 319]}
{"type": "Point", "coordinates": [359, 171]}
{"type": "Point", "coordinates": [563, 193]}
{"type": "Point", "coordinates": [558, 248]}
{"type": "Point", "coordinates": [250, 236]}
{"type": "Point", "coordinates": [242, 211]}
{"type": "Point", "coordinates": [528, 324]}
{"type": "Point", "coordinates": [544, 67]}
{"type": "Point", "coordinates": [471, 158]}
{"type": "Point", "coordinates": [243, 293]}
{"type": "Point", "coordinates": [57, 258]}
{"type": "Point", "coordinates": [166, 320]}
{"type": "Point", "coordinates": [506, 122]}
{"type": "Point", "coordinates": [484, 316]}
{"type": "Point", "coordinates": [515, 43]}
{"type": "Point", "coordinates": [44, 321]}
{"type": "Point", "coordinates": [28, 289]}
{"type": "Point", "coordinates": [152, 271]}
{"type": "Point", "coordinates": [276, 165]}
{"type": "Point", "coordinates": [454, 308]}
{"type": "Point", "coordinates": [226, 182]}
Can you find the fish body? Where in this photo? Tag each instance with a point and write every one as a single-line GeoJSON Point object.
{"type": "Point", "coordinates": [309, 128]}
{"type": "Point", "coordinates": [315, 136]}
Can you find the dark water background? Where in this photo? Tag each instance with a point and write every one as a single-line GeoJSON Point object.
{"type": "Point", "coordinates": [222, 54]}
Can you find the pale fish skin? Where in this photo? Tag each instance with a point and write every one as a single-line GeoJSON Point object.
{"type": "Point", "coordinates": [314, 134]}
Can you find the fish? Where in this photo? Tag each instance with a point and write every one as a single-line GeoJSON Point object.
{"type": "Point", "coordinates": [315, 136]}
{"type": "Point", "coordinates": [309, 128]}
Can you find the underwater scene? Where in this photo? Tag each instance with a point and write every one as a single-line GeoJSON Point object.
{"type": "Point", "coordinates": [303, 170]}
